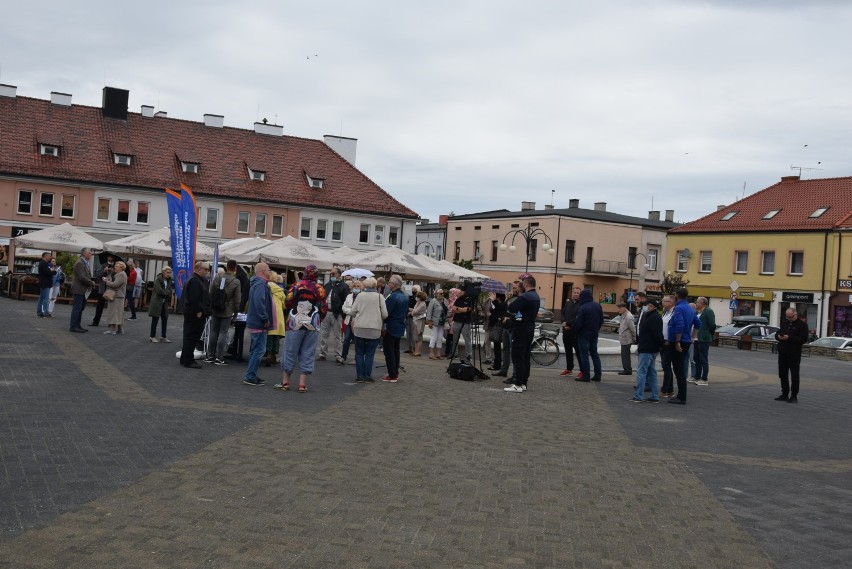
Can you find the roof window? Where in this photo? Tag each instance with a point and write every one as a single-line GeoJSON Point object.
{"type": "Point", "coordinates": [257, 175]}
{"type": "Point", "coordinates": [122, 159]}
{"type": "Point", "coordinates": [316, 183]}
{"type": "Point", "coordinates": [728, 216]}
{"type": "Point", "coordinates": [772, 214]}
{"type": "Point", "coordinates": [819, 212]}
{"type": "Point", "coordinates": [48, 150]}
{"type": "Point", "coordinates": [190, 167]}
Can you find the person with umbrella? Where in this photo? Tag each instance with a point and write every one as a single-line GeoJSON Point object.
{"type": "Point", "coordinates": [107, 261]}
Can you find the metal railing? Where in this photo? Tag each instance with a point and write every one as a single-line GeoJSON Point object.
{"type": "Point", "coordinates": [607, 267]}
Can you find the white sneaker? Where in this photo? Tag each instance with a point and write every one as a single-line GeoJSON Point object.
{"type": "Point", "coordinates": [154, 340]}
{"type": "Point", "coordinates": [515, 389]}
{"type": "Point", "coordinates": [700, 382]}
{"type": "Point", "coordinates": [691, 380]}
{"type": "Point", "coordinates": [165, 340]}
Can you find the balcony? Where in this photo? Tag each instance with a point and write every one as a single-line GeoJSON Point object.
{"type": "Point", "coordinates": [607, 268]}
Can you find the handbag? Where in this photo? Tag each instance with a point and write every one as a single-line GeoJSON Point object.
{"type": "Point", "coordinates": [109, 294]}
{"type": "Point", "coordinates": [495, 333]}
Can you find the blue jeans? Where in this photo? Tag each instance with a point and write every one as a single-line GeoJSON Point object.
{"type": "Point", "coordinates": [702, 360]}
{"type": "Point", "coordinates": [693, 362]}
{"type": "Point", "coordinates": [256, 351]}
{"type": "Point", "coordinates": [589, 347]}
{"type": "Point", "coordinates": [365, 351]}
{"type": "Point", "coordinates": [42, 308]}
{"type": "Point", "coordinates": [646, 372]}
{"type": "Point", "coordinates": [348, 337]}
{"type": "Point", "coordinates": [301, 345]}
{"type": "Point", "coordinates": [77, 311]}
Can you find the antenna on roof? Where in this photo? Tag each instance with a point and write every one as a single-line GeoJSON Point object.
{"type": "Point", "coordinates": [551, 196]}
{"type": "Point", "coordinates": [800, 168]}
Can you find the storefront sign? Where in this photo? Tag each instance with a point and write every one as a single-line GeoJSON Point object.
{"type": "Point", "coordinates": [807, 297]}
{"type": "Point", "coordinates": [19, 231]}
{"type": "Point", "coordinates": [754, 294]}
{"type": "Point", "coordinates": [844, 283]}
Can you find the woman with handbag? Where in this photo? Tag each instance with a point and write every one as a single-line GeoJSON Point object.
{"type": "Point", "coordinates": [114, 293]}
{"type": "Point", "coordinates": [436, 320]}
{"type": "Point", "coordinates": [161, 299]}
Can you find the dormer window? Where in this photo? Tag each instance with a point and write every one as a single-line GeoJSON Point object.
{"type": "Point", "coordinates": [728, 216]}
{"type": "Point", "coordinates": [122, 159]}
{"type": "Point", "coordinates": [257, 175]}
{"type": "Point", "coordinates": [819, 212]}
{"type": "Point", "coordinates": [315, 183]}
{"type": "Point", "coordinates": [190, 167]}
{"type": "Point", "coordinates": [772, 214]}
{"type": "Point", "coordinates": [49, 150]}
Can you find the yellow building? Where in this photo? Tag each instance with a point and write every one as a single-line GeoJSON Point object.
{"type": "Point", "coordinates": [788, 245]}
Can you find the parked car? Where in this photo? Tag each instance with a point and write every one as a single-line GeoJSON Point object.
{"type": "Point", "coordinates": [544, 315]}
{"type": "Point", "coordinates": [611, 325]}
{"type": "Point", "coordinates": [756, 331]}
{"type": "Point", "coordinates": [832, 342]}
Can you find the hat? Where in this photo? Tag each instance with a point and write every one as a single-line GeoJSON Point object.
{"type": "Point", "coordinates": [653, 301]}
{"type": "Point", "coordinates": [311, 273]}
{"type": "Point", "coordinates": [622, 305]}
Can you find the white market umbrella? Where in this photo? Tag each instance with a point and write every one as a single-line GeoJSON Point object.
{"type": "Point", "coordinates": [395, 260]}
{"type": "Point", "coordinates": [241, 250]}
{"type": "Point", "coordinates": [460, 273]}
{"type": "Point", "coordinates": [357, 273]}
{"type": "Point", "coordinates": [156, 244]}
{"type": "Point", "coordinates": [63, 237]}
{"type": "Point", "coordinates": [344, 256]}
{"type": "Point", "coordinates": [291, 252]}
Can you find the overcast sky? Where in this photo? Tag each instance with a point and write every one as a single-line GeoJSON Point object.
{"type": "Point", "coordinates": [471, 106]}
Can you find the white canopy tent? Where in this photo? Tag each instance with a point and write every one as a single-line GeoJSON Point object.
{"type": "Point", "coordinates": [63, 237]}
{"type": "Point", "coordinates": [410, 266]}
{"type": "Point", "coordinates": [343, 256]}
{"type": "Point", "coordinates": [242, 248]}
{"type": "Point", "coordinates": [154, 244]}
{"type": "Point", "coordinates": [460, 273]}
{"type": "Point", "coordinates": [291, 252]}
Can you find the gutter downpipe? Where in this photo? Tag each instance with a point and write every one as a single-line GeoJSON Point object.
{"type": "Point", "coordinates": [823, 302]}
{"type": "Point", "coordinates": [556, 263]}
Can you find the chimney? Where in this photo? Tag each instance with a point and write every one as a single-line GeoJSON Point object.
{"type": "Point", "coordinates": [215, 121]}
{"type": "Point", "coordinates": [574, 203]}
{"type": "Point", "coordinates": [442, 219]}
{"type": "Point", "coordinates": [789, 178]}
{"type": "Point", "coordinates": [270, 129]}
{"type": "Point", "coordinates": [669, 215]}
{"type": "Point", "coordinates": [161, 114]}
{"type": "Point", "coordinates": [147, 111]}
{"type": "Point", "coordinates": [527, 205]}
{"type": "Point", "coordinates": [424, 221]}
{"type": "Point", "coordinates": [600, 206]}
{"type": "Point", "coordinates": [63, 99]}
{"type": "Point", "coordinates": [8, 90]}
{"type": "Point", "coordinates": [115, 103]}
{"type": "Point", "coordinates": [654, 215]}
{"type": "Point", "coordinates": [720, 207]}
{"type": "Point", "coordinates": [344, 146]}
{"type": "Point", "coordinates": [549, 206]}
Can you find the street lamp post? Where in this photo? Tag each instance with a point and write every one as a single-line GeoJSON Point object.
{"type": "Point", "coordinates": [632, 263]}
{"type": "Point", "coordinates": [529, 234]}
{"type": "Point", "coordinates": [426, 247]}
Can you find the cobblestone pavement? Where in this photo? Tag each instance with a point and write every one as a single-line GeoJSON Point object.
{"type": "Point", "coordinates": [115, 456]}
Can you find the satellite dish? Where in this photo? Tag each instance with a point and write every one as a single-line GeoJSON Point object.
{"type": "Point", "coordinates": [687, 253]}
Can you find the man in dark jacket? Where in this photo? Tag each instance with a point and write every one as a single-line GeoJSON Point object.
{"type": "Point", "coordinates": [791, 337]}
{"type": "Point", "coordinates": [45, 283]}
{"type": "Point", "coordinates": [569, 335]}
{"type": "Point", "coordinates": [195, 300]}
{"type": "Point", "coordinates": [587, 325]}
{"type": "Point", "coordinates": [235, 348]}
{"type": "Point", "coordinates": [650, 343]}
{"type": "Point", "coordinates": [330, 340]}
{"type": "Point", "coordinates": [524, 311]}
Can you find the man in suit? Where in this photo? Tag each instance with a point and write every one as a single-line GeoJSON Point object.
{"type": "Point", "coordinates": [81, 286]}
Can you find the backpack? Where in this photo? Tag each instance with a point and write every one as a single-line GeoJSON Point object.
{"type": "Point", "coordinates": [218, 299]}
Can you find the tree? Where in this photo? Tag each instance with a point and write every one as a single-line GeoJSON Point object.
{"type": "Point", "coordinates": [465, 264]}
{"type": "Point", "coordinates": [672, 282]}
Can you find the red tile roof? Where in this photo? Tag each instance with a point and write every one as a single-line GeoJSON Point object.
{"type": "Point", "coordinates": [158, 145]}
{"type": "Point", "coordinates": [796, 199]}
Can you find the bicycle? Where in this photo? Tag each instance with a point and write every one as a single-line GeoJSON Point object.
{"type": "Point", "coordinates": [545, 350]}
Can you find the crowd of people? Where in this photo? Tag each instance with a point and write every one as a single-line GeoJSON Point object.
{"type": "Point", "coordinates": [364, 315]}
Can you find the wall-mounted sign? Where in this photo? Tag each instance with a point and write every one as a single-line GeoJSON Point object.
{"type": "Point", "coordinates": [753, 294]}
{"type": "Point", "coordinates": [807, 297]}
{"type": "Point", "coordinates": [844, 283]}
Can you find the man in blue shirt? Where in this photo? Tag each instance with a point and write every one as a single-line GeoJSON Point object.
{"type": "Point", "coordinates": [397, 305]}
{"type": "Point", "coordinates": [680, 335]}
{"type": "Point", "coordinates": [522, 319]}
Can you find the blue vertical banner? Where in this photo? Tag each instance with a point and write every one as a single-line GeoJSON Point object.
{"type": "Point", "coordinates": [183, 225]}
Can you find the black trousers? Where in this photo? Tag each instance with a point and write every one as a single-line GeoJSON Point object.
{"type": "Point", "coordinates": [193, 328]}
{"type": "Point", "coordinates": [666, 363]}
{"type": "Point", "coordinates": [236, 346]}
{"type": "Point", "coordinates": [390, 347]}
{"type": "Point", "coordinates": [680, 360]}
{"type": "Point", "coordinates": [522, 337]}
{"type": "Point", "coordinates": [788, 371]}
{"type": "Point", "coordinates": [569, 342]}
{"type": "Point", "coordinates": [99, 309]}
{"type": "Point", "coordinates": [626, 363]}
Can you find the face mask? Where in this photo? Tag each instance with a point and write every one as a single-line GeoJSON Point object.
{"type": "Point", "coordinates": [334, 279]}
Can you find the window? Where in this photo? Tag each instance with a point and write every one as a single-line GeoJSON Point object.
{"type": "Point", "coordinates": [494, 248]}
{"type": "Point", "coordinates": [569, 250]}
{"type": "Point", "coordinates": [364, 233]}
{"type": "Point", "coordinates": [277, 225]}
{"type": "Point", "coordinates": [495, 227]}
{"type": "Point", "coordinates": [728, 216]}
{"type": "Point", "coordinates": [797, 262]}
{"type": "Point", "coordinates": [336, 230]}
{"type": "Point", "coordinates": [476, 252]}
{"type": "Point", "coordinates": [48, 150]}
{"type": "Point", "coordinates": [393, 236]}
{"type": "Point", "coordinates": [818, 212]}
{"type": "Point", "coordinates": [322, 229]}
{"type": "Point", "coordinates": [767, 263]}
{"type": "Point", "coordinates": [457, 252]}
{"type": "Point", "coordinates": [212, 221]}
{"type": "Point", "coordinates": [706, 262]}
{"type": "Point", "coordinates": [68, 202]}
{"type": "Point", "coordinates": [682, 262]}
{"type": "Point", "coordinates": [123, 211]}
{"type": "Point", "coordinates": [25, 202]}
{"type": "Point", "coordinates": [243, 221]}
{"type": "Point", "coordinates": [305, 231]}
{"type": "Point", "coordinates": [315, 183]}
{"type": "Point", "coordinates": [652, 259]}
{"type": "Point", "coordinates": [103, 209]}
{"type": "Point", "coordinates": [190, 167]}
{"type": "Point", "coordinates": [772, 214]}
{"type": "Point", "coordinates": [741, 262]}
{"type": "Point", "coordinates": [631, 258]}
{"type": "Point", "coordinates": [45, 206]}
{"type": "Point", "coordinates": [257, 175]}
{"type": "Point", "coordinates": [260, 223]}
{"type": "Point", "coordinates": [477, 227]}
{"type": "Point", "coordinates": [379, 235]}
{"type": "Point", "coordinates": [142, 212]}
{"type": "Point", "coordinates": [122, 159]}
{"type": "Point", "coordinates": [439, 253]}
